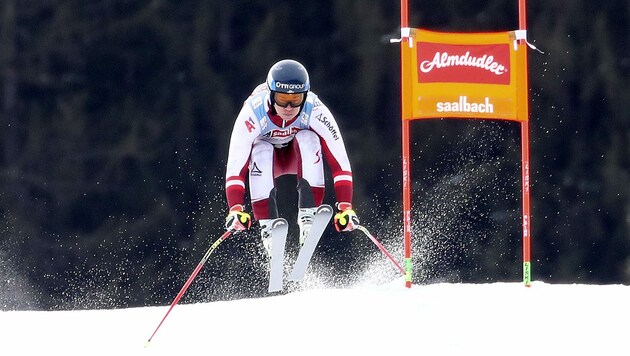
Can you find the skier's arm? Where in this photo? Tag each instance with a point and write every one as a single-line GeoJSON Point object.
{"type": "Point", "coordinates": [244, 132]}
{"type": "Point", "coordinates": [324, 124]}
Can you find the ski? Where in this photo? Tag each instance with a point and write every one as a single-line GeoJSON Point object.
{"type": "Point", "coordinates": [320, 221]}
{"type": "Point", "coordinates": [278, 238]}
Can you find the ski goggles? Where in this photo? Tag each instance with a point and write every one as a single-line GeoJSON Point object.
{"type": "Point", "coordinates": [284, 99]}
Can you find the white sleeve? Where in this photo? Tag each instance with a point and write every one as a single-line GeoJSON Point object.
{"type": "Point", "coordinates": [246, 129]}
{"type": "Point", "coordinates": [324, 124]}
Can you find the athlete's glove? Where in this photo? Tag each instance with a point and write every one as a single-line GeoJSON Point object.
{"type": "Point", "coordinates": [345, 219]}
{"type": "Point", "coordinates": [238, 220]}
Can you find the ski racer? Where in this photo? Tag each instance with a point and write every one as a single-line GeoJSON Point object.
{"type": "Point", "coordinates": [284, 128]}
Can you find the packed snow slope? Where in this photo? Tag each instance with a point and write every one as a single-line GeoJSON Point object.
{"type": "Point", "coordinates": [389, 319]}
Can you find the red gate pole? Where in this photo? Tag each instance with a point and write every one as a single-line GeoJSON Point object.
{"type": "Point", "coordinates": [406, 170]}
{"type": "Point", "coordinates": [527, 272]}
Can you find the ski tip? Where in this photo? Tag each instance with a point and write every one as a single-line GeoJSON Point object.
{"type": "Point", "coordinates": [146, 344]}
{"type": "Point", "coordinates": [325, 207]}
{"type": "Point", "coordinates": [279, 222]}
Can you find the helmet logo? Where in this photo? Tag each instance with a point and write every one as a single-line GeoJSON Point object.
{"type": "Point", "coordinates": [280, 85]}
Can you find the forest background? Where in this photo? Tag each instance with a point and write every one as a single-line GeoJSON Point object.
{"type": "Point", "coordinates": [115, 120]}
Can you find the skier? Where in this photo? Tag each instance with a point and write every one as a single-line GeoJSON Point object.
{"type": "Point", "coordinates": [283, 128]}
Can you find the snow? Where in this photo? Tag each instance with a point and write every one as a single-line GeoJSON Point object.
{"type": "Point", "coordinates": [387, 319]}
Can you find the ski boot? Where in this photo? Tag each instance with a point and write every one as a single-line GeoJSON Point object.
{"type": "Point", "coordinates": [305, 222]}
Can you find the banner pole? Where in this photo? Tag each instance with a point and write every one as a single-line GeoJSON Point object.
{"type": "Point", "coordinates": [527, 276]}
{"type": "Point", "coordinates": [406, 170]}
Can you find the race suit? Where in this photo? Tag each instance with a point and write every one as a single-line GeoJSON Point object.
{"type": "Point", "coordinates": [264, 147]}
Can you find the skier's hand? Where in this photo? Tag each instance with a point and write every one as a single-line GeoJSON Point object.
{"type": "Point", "coordinates": [238, 220]}
{"type": "Point", "coordinates": [345, 219]}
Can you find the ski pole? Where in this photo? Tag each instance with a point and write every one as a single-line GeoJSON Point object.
{"type": "Point", "coordinates": [380, 247]}
{"type": "Point", "coordinates": [190, 279]}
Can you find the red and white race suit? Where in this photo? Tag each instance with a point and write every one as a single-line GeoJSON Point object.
{"type": "Point", "coordinates": [264, 147]}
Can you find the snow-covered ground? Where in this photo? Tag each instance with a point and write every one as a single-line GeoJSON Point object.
{"type": "Point", "coordinates": [389, 319]}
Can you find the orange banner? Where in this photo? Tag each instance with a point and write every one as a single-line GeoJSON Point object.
{"type": "Point", "coordinates": [464, 75]}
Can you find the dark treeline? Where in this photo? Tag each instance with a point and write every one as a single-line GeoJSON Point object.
{"type": "Point", "coordinates": [116, 117]}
